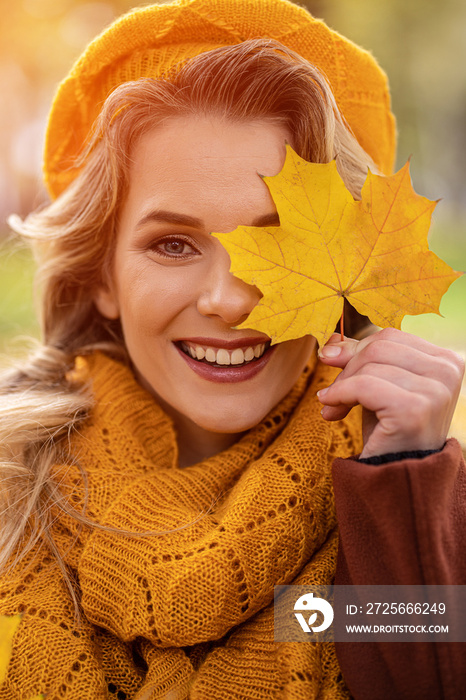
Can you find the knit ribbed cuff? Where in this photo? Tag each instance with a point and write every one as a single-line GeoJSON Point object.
{"type": "Point", "coordinates": [397, 456]}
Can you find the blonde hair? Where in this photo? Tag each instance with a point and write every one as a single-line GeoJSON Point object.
{"type": "Point", "coordinates": [72, 238]}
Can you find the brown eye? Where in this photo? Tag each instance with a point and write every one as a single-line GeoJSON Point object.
{"type": "Point", "coordinates": [174, 247]}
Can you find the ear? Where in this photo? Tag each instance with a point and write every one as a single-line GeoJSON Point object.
{"type": "Point", "coordinates": [106, 302]}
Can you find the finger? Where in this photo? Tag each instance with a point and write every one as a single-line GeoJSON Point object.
{"type": "Point", "coordinates": [407, 416]}
{"type": "Point", "coordinates": [416, 354]}
{"type": "Point", "coordinates": [402, 338]}
{"type": "Point", "coordinates": [421, 405]}
{"type": "Point", "coordinates": [352, 346]}
{"type": "Point", "coordinates": [363, 386]}
{"type": "Point", "coordinates": [337, 352]}
{"type": "Point", "coordinates": [333, 413]}
{"type": "Point", "coordinates": [389, 355]}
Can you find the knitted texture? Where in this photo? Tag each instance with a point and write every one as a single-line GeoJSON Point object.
{"type": "Point", "coordinates": [150, 41]}
{"type": "Point", "coordinates": [186, 613]}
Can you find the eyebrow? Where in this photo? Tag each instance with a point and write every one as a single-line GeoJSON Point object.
{"type": "Point", "coordinates": [172, 217]}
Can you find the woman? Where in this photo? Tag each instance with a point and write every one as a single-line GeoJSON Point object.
{"type": "Point", "coordinates": [163, 470]}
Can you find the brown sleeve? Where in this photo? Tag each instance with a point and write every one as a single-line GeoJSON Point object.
{"type": "Point", "coordinates": [403, 523]}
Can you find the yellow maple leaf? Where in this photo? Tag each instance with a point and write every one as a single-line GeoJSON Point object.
{"type": "Point", "coordinates": [330, 247]}
{"type": "Point", "coordinates": [8, 627]}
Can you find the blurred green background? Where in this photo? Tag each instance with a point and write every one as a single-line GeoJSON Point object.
{"type": "Point", "coordinates": [421, 44]}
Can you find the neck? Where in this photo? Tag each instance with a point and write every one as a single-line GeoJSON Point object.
{"type": "Point", "coordinates": [196, 444]}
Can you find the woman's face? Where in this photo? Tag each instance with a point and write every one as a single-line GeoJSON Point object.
{"type": "Point", "coordinates": [171, 286]}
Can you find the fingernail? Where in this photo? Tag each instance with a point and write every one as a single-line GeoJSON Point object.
{"type": "Point", "coordinates": [330, 351]}
{"type": "Point", "coordinates": [322, 393]}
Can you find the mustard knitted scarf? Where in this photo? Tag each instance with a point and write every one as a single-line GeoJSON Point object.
{"type": "Point", "coordinates": [187, 613]}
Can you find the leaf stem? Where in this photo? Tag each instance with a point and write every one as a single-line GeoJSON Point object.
{"type": "Point", "coordinates": [342, 325]}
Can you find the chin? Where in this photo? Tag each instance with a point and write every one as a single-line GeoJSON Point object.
{"type": "Point", "coordinates": [230, 420]}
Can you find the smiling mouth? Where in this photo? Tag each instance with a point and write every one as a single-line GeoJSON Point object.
{"type": "Point", "coordinates": [222, 357]}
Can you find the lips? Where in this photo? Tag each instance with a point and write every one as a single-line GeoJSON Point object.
{"type": "Point", "coordinates": [225, 361]}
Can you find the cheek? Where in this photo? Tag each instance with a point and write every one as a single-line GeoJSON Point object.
{"type": "Point", "coordinates": [152, 297]}
{"type": "Point", "coordinates": [299, 350]}
{"type": "Point", "coordinates": [295, 357]}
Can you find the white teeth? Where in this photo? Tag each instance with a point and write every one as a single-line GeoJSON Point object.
{"type": "Point", "coordinates": [222, 356]}
{"type": "Point", "coordinates": [210, 355]}
{"type": "Point", "coordinates": [237, 357]}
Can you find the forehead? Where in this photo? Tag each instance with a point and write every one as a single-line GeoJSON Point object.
{"type": "Point", "coordinates": [196, 161]}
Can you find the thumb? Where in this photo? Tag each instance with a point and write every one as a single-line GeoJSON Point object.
{"type": "Point", "coordinates": [337, 352]}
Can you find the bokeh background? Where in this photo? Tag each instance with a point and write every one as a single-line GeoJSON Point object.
{"type": "Point", "coordinates": [421, 44]}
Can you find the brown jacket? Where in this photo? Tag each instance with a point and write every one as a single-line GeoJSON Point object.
{"type": "Point", "coordinates": [403, 523]}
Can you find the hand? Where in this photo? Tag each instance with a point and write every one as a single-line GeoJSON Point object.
{"type": "Point", "coordinates": [407, 387]}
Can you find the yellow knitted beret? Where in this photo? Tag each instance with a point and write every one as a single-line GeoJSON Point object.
{"type": "Point", "coordinates": [149, 40]}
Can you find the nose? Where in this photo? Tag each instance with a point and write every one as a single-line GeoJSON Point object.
{"type": "Point", "coordinates": [225, 296]}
